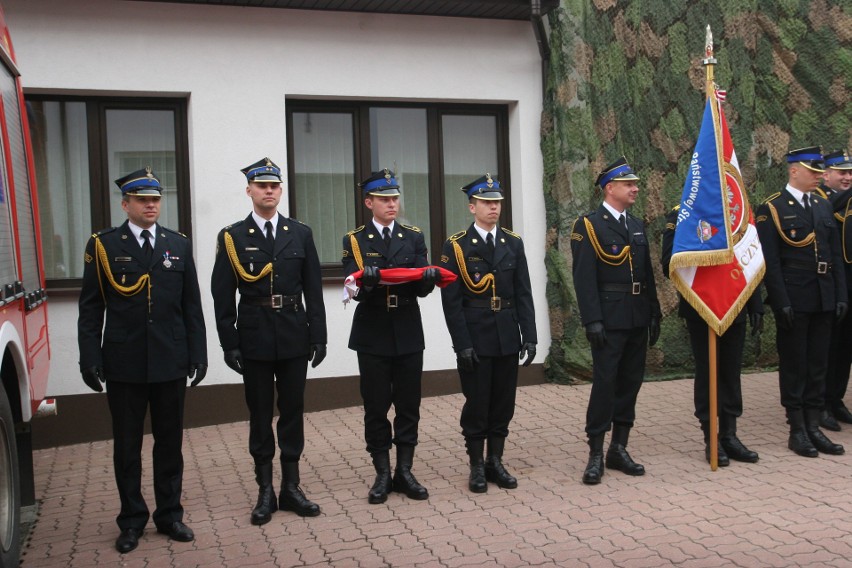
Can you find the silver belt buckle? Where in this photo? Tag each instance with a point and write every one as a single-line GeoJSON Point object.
{"type": "Point", "coordinates": [277, 301]}
{"type": "Point", "coordinates": [822, 267]}
{"type": "Point", "coordinates": [496, 304]}
{"type": "Point", "coordinates": [393, 301]}
{"type": "Point", "coordinates": [637, 288]}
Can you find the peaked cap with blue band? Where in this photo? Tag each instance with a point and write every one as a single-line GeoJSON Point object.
{"type": "Point", "coordinates": [140, 182]}
{"type": "Point", "coordinates": [810, 157]}
{"type": "Point", "coordinates": [838, 160]}
{"type": "Point", "coordinates": [380, 183]}
{"type": "Point", "coordinates": [486, 187]}
{"type": "Point", "coordinates": [619, 170]}
{"type": "Point", "coordinates": [262, 170]}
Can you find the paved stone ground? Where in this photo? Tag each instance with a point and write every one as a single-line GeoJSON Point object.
{"type": "Point", "coordinates": [784, 511]}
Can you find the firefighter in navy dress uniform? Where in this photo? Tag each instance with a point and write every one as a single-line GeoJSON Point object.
{"type": "Point", "coordinates": [807, 291]}
{"type": "Point", "coordinates": [271, 260]}
{"type": "Point", "coordinates": [729, 360]}
{"type": "Point", "coordinates": [387, 333]}
{"type": "Point", "coordinates": [617, 297]}
{"type": "Point", "coordinates": [142, 276]}
{"type": "Point", "coordinates": [837, 185]}
{"type": "Point", "coordinates": [491, 318]}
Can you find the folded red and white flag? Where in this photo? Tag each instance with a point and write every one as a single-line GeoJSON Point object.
{"type": "Point", "coordinates": [393, 276]}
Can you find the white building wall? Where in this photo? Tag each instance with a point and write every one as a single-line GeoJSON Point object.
{"type": "Point", "coordinates": [237, 65]}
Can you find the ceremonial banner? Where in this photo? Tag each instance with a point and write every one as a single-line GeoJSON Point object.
{"type": "Point", "coordinates": [716, 259]}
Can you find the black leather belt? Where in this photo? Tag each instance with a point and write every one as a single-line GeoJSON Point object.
{"type": "Point", "coordinates": [818, 267]}
{"type": "Point", "coordinates": [391, 301]}
{"type": "Point", "coordinates": [495, 304]}
{"type": "Point", "coordinates": [634, 288]}
{"type": "Point", "coordinates": [276, 301]}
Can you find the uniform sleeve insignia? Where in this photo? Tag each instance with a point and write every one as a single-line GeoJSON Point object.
{"type": "Point", "coordinates": [445, 259]}
{"type": "Point", "coordinates": [761, 218]}
{"type": "Point", "coordinates": [670, 226]}
{"type": "Point", "coordinates": [458, 235]}
{"type": "Point", "coordinates": [576, 237]}
{"type": "Point", "coordinates": [412, 228]}
{"type": "Point", "coordinates": [508, 232]}
{"type": "Point", "coordinates": [88, 258]}
{"type": "Point", "coordinates": [353, 231]}
{"type": "Point", "coordinates": [345, 253]}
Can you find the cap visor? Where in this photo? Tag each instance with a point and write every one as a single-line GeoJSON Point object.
{"type": "Point", "coordinates": [389, 192]}
{"type": "Point", "coordinates": [489, 195]}
{"type": "Point", "coordinates": [145, 191]}
{"type": "Point", "coordinates": [812, 167]}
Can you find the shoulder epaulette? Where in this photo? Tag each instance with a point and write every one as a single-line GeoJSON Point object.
{"type": "Point", "coordinates": [294, 220]}
{"type": "Point", "coordinates": [771, 197]}
{"type": "Point", "coordinates": [175, 232]}
{"type": "Point", "coordinates": [412, 228]}
{"type": "Point", "coordinates": [104, 232]}
{"type": "Point", "coordinates": [353, 231]}
{"type": "Point", "coordinates": [237, 224]}
{"type": "Point", "coordinates": [508, 232]}
{"type": "Point", "coordinates": [457, 236]}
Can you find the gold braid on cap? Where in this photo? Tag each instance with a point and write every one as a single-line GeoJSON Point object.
{"type": "Point", "coordinates": [803, 243]}
{"type": "Point", "coordinates": [475, 287]}
{"type": "Point", "coordinates": [102, 265]}
{"type": "Point", "coordinates": [238, 267]}
{"type": "Point", "coordinates": [611, 259]}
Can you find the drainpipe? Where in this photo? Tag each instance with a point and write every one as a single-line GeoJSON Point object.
{"type": "Point", "coordinates": [541, 38]}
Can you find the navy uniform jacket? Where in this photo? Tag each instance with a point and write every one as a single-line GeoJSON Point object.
{"type": "Point", "coordinates": [793, 244]}
{"type": "Point", "coordinates": [137, 345]}
{"type": "Point", "coordinates": [490, 333]}
{"type": "Point", "coordinates": [604, 286]}
{"type": "Point", "coordinates": [842, 203]}
{"type": "Point", "coordinates": [684, 309]}
{"type": "Point", "coordinates": [376, 329]}
{"type": "Point", "coordinates": [260, 332]}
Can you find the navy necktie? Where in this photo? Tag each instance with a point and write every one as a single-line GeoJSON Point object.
{"type": "Point", "coordinates": [270, 238]}
{"type": "Point", "coordinates": [147, 249]}
{"type": "Point", "coordinates": [386, 236]}
{"type": "Point", "coordinates": [624, 221]}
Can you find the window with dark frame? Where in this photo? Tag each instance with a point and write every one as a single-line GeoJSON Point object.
{"type": "Point", "coordinates": [82, 144]}
{"type": "Point", "coordinates": [434, 149]}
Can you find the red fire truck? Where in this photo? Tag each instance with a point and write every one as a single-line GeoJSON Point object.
{"type": "Point", "coordinates": [24, 344]}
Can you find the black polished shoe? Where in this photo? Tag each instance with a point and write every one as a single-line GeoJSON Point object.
{"type": "Point", "coordinates": [495, 472]}
{"type": "Point", "coordinates": [737, 451]}
{"type": "Point", "coordinates": [404, 482]}
{"type": "Point", "coordinates": [801, 444]}
{"type": "Point", "coordinates": [476, 482]}
{"type": "Point", "coordinates": [842, 414]}
{"type": "Point", "coordinates": [267, 504]}
{"type": "Point", "coordinates": [617, 458]}
{"type": "Point", "coordinates": [594, 469]}
{"type": "Point", "coordinates": [823, 444]}
{"type": "Point", "coordinates": [828, 421]}
{"type": "Point", "coordinates": [128, 540]}
{"type": "Point", "coordinates": [177, 531]}
{"type": "Point", "coordinates": [721, 457]}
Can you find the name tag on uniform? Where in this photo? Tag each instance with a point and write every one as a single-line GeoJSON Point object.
{"type": "Point", "coordinates": [474, 259]}
{"type": "Point", "coordinates": [251, 249]}
{"type": "Point", "coordinates": [122, 259]}
{"type": "Point", "coordinates": [789, 216]}
{"type": "Point", "coordinates": [374, 254]}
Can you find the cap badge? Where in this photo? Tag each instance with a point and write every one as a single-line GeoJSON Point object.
{"type": "Point", "coordinates": [148, 172]}
{"type": "Point", "coordinates": [489, 181]}
{"type": "Point", "coordinates": [387, 176]}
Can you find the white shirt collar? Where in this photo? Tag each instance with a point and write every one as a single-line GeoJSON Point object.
{"type": "Point", "coordinates": [379, 227]}
{"type": "Point", "coordinates": [484, 234]}
{"type": "Point", "coordinates": [615, 213]}
{"type": "Point", "coordinates": [261, 223]}
{"type": "Point", "coordinates": [796, 193]}
{"type": "Point", "coordinates": [137, 232]}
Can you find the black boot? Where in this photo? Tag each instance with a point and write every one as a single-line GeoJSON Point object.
{"type": "Point", "coordinates": [841, 413]}
{"type": "Point", "coordinates": [494, 470]}
{"type": "Point", "coordinates": [818, 439]}
{"type": "Point", "coordinates": [476, 483]}
{"type": "Point", "coordinates": [799, 441]}
{"type": "Point", "coordinates": [722, 457]}
{"type": "Point", "coordinates": [595, 467]}
{"type": "Point", "coordinates": [403, 480]}
{"type": "Point", "coordinates": [291, 497]}
{"type": "Point", "coordinates": [828, 421]}
{"type": "Point", "coordinates": [617, 456]}
{"type": "Point", "coordinates": [266, 502]}
{"type": "Point", "coordinates": [735, 449]}
{"type": "Point", "coordinates": [382, 485]}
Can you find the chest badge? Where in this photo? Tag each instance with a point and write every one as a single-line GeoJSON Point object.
{"type": "Point", "coordinates": [251, 267]}
{"type": "Point", "coordinates": [476, 276]}
{"type": "Point", "coordinates": [167, 262]}
{"type": "Point", "coordinates": [614, 248]}
{"type": "Point", "coordinates": [793, 233]}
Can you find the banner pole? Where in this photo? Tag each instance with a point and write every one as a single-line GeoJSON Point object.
{"type": "Point", "coordinates": [712, 434]}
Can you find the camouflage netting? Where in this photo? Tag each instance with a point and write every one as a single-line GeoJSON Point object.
{"type": "Point", "coordinates": [626, 77]}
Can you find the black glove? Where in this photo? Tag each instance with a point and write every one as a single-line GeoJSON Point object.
{"type": "Point", "coordinates": [756, 321]}
{"type": "Point", "coordinates": [653, 331]}
{"type": "Point", "coordinates": [529, 349]}
{"type": "Point", "coordinates": [431, 276]}
{"type": "Point", "coordinates": [371, 277]}
{"type": "Point", "coordinates": [234, 359]}
{"type": "Point", "coordinates": [197, 372]}
{"type": "Point", "coordinates": [596, 334]}
{"type": "Point", "coordinates": [317, 354]}
{"type": "Point", "coordinates": [467, 359]}
{"type": "Point", "coordinates": [93, 377]}
{"type": "Point", "coordinates": [842, 308]}
{"type": "Point", "coordinates": [785, 318]}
